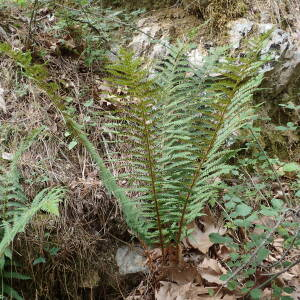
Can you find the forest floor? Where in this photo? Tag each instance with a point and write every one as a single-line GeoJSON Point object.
{"type": "Point", "coordinates": [73, 256]}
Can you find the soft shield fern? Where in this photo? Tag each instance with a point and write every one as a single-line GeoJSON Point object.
{"type": "Point", "coordinates": [17, 210]}
{"type": "Point", "coordinates": [176, 126]}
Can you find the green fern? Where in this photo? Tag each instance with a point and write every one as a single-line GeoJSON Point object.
{"type": "Point", "coordinates": [39, 75]}
{"type": "Point", "coordinates": [176, 128]}
{"type": "Point", "coordinates": [17, 210]}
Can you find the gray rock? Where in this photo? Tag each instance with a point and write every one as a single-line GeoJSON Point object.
{"type": "Point", "coordinates": [282, 48]}
{"type": "Point", "coordinates": [142, 42]}
{"type": "Point", "coordinates": [159, 50]}
{"type": "Point", "coordinates": [195, 58]}
{"type": "Point", "coordinates": [238, 30]}
{"type": "Point", "coordinates": [130, 260]}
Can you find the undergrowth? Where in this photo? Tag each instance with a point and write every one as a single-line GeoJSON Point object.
{"type": "Point", "coordinates": [176, 127]}
{"type": "Point", "coordinates": [17, 211]}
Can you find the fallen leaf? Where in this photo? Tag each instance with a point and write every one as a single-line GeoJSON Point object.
{"type": "Point", "coordinates": [200, 239]}
{"type": "Point", "coordinates": [223, 253]}
{"type": "Point", "coordinates": [296, 293]}
{"type": "Point", "coordinates": [172, 291]}
{"type": "Point", "coordinates": [183, 275]}
{"type": "Point", "coordinates": [189, 291]}
{"type": "Point", "coordinates": [211, 270]}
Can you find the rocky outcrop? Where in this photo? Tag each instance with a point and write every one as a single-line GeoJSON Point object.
{"type": "Point", "coordinates": [158, 30]}
{"type": "Point", "coordinates": [282, 46]}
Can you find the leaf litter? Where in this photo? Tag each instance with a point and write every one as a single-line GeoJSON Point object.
{"type": "Point", "coordinates": [198, 277]}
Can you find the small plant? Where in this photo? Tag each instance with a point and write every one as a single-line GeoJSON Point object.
{"type": "Point", "coordinates": [259, 231]}
{"type": "Point", "coordinates": [17, 211]}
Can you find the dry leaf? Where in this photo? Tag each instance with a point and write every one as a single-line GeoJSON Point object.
{"type": "Point", "coordinates": [296, 293]}
{"type": "Point", "coordinates": [200, 240]}
{"type": "Point", "coordinates": [267, 294]}
{"type": "Point", "coordinates": [172, 291]}
{"type": "Point", "coordinates": [189, 291]}
{"type": "Point", "coordinates": [211, 270]}
{"type": "Point", "coordinates": [223, 253]}
{"type": "Point", "coordinates": [183, 275]}
{"type": "Point", "coordinates": [278, 244]}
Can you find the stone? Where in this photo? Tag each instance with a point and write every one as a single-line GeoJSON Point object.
{"type": "Point", "coordinates": [130, 260]}
{"type": "Point", "coordinates": [282, 46]}
{"type": "Point", "coordinates": [142, 42]}
{"type": "Point", "coordinates": [156, 30]}
{"type": "Point", "coordinates": [195, 58]}
{"type": "Point", "coordinates": [238, 30]}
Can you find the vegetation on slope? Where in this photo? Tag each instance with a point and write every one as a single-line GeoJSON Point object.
{"type": "Point", "coordinates": [72, 256]}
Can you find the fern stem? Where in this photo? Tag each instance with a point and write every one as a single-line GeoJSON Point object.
{"type": "Point", "coordinates": [154, 191]}
{"type": "Point", "coordinates": [195, 177]}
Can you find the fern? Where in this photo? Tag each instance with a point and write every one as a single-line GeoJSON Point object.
{"type": "Point", "coordinates": [39, 74]}
{"type": "Point", "coordinates": [176, 129]}
{"type": "Point", "coordinates": [17, 210]}
{"type": "Point", "coordinates": [12, 196]}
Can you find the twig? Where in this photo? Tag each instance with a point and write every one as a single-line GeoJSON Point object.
{"type": "Point", "coordinates": [254, 185]}
{"type": "Point", "coordinates": [96, 30]}
{"type": "Point", "coordinates": [285, 252]}
{"type": "Point", "coordinates": [278, 274]}
{"type": "Point", "coordinates": [269, 163]}
{"type": "Point", "coordinates": [238, 270]}
{"type": "Point", "coordinates": [31, 22]}
{"type": "Point", "coordinates": [119, 22]}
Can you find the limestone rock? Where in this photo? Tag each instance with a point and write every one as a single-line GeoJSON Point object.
{"type": "Point", "coordinates": [282, 47]}
{"type": "Point", "coordinates": [156, 31]}
{"type": "Point", "coordinates": [238, 30]}
{"type": "Point", "coordinates": [195, 58]}
{"type": "Point", "coordinates": [130, 260]}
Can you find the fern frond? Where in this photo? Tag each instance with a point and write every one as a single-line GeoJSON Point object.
{"type": "Point", "coordinates": [39, 74]}
{"type": "Point", "coordinates": [141, 135]}
{"type": "Point", "coordinates": [12, 196]}
{"type": "Point", "coordinates": [42, 201]}
{"type": "Point", "coordinates": [188, 121]}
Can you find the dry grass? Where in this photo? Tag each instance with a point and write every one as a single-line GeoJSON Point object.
{"type": "Point", "coordinates": [90, 226]}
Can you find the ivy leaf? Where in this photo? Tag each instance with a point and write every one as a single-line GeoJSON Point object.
{"type": "Point", "coordinates": [250, 284]}
{"type": "Point", "coordinates": [268, 211]}
{"type": "Point", "coordinates": [242, 210]}
{"type": "Point", "coordinates": [262, 254]}
{"type": "Point", "coordinates": [289, 289]}
{"type": "Point", "coordinates": [216, 238]}
{"type": "Point", "coordinates": [256, 294]}
{"type": "Point", "coordinates": [232, 285]}
{"type": "Point", "coordinates": [291, 167]}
